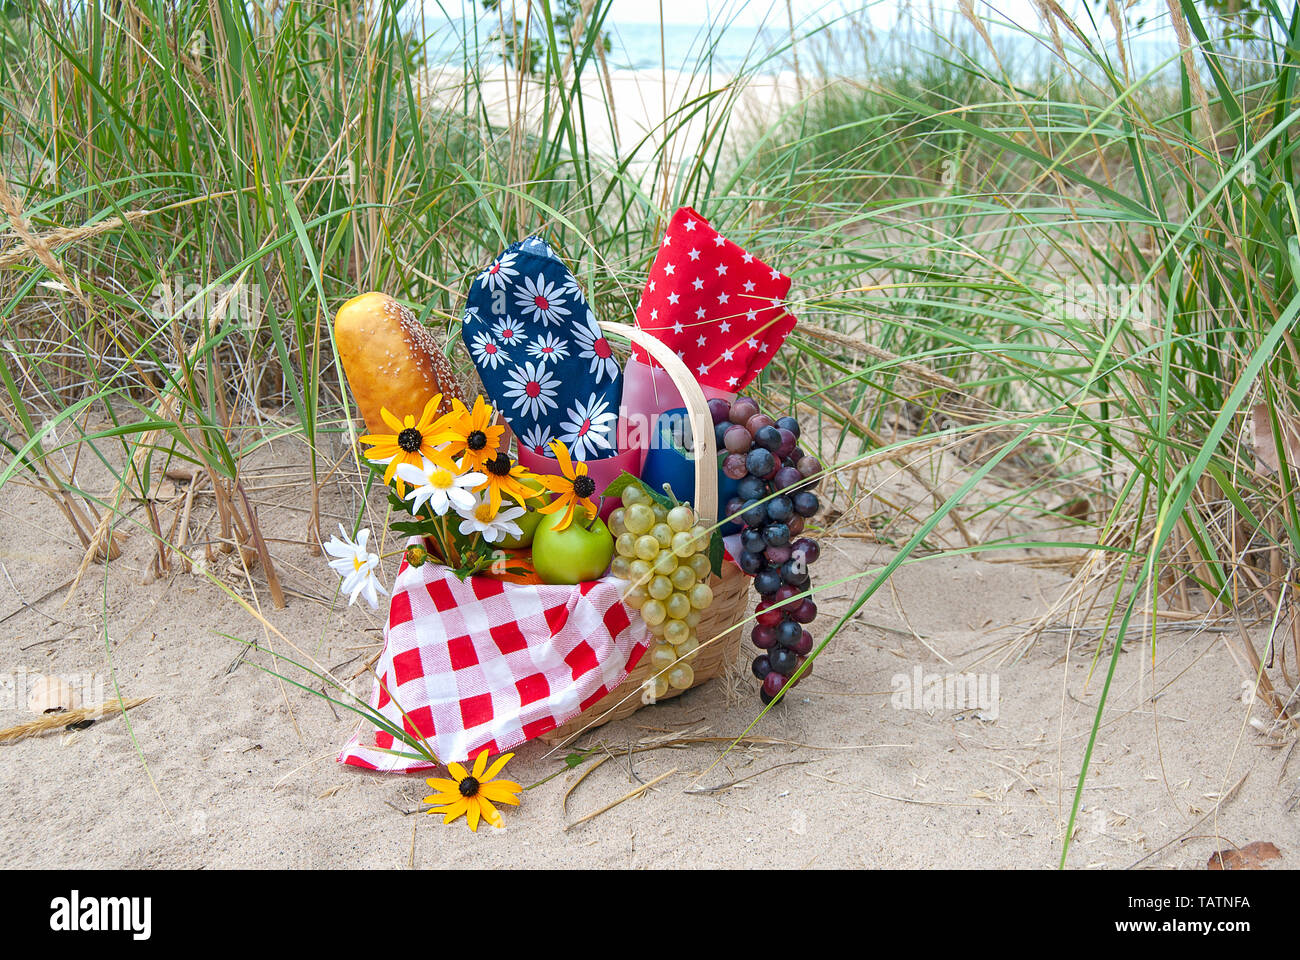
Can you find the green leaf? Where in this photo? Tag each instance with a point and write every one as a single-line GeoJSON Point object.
{"type": "Point", "coordinates": [625, 480]}
{"type": "Point", "coordinates": [715, 552]}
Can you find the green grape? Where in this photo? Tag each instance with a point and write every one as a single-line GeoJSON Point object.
{"type": "Point", "coordinates": [683, 545]}
{"type": "Point", "coordinates": [665, 564]}
{"type": "Point", "coordinates": [647, 547]}
{"type": "Point", "coordinates": [681, 518]}
{"type": "Point", "coordinates": [639, 572]}
{"type": "Point", "coordinates": [683, 577]}
{"type": "Point", "coordinates": [662, 656]}
{"type": "Point", "coordinates": [678, 605]}
{"type": "Point", "coordinates": [620, 567]}
{"type": "Point", "coordinates": [653, 612]}
{"type": "Point", "coordinates": [625, 545]}
{"type": "Point", "coordinates": [701, 596]}
{"type": "Point", "coordinates": [660, 588]}
{"type": "Point", "coordinates": [663, 533]}
{"type": "Point", "coordinates": [681, 676]}
{"type": "Point", "coordinates": [693, 618]}
{"type": "Point", "coordinates": [685, 647]}
{"type": "Point", "coordinates": [675, 631]}
{"type": "Point", "coordinates": [636, 597]}
{"type": "Point", "coordinates": [657, 629]}
{"type": "Point", "coordinates": [700, 564]}
{"type": "Point", "coordinates": [616, 522]}
{"type": "Point", "coordinates": [661, 687]}
{"type": "Point", "coordinates": [638, 519]}
{"type": "Point", "coordinates": [633, 494]}
{"type": "Point", "coordinates": [661, 512]}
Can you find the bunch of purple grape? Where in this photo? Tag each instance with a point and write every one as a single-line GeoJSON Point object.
{"type": "Point", "coordinates": [775, 497]}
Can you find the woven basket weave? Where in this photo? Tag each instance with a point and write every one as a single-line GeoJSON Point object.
{"type": "Point", "coordinates": [719, 628]}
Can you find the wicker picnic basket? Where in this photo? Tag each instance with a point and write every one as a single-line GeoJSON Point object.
{"type": "Point", "coordinates": [719, 629]}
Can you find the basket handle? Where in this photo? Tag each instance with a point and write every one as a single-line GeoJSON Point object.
{"type": "Point", "coordinates": [704, 448]}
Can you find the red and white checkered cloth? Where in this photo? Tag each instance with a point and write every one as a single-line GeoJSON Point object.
{"type": "Point", "coordinates": [488, 664]}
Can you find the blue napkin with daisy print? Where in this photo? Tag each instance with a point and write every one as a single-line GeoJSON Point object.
{"type": "Point", "coordinates": [544, 362]}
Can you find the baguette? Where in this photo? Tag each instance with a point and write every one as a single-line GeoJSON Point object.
{"type": "Point", "coordinates": [390, 359]}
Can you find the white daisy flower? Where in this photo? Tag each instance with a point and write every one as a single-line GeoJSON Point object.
{"type": "Point", "coordinates": [357, 566]}
{"type": "Point", "coordinates": [438, 487]}
{"type": "Point", "coordinates": [542, 300]}
{"type": "Point", "coordinates": [499, 273]}
{"type": "Point", "coordinates": [588, 429]}
{"type": "Point", "coordinates": [537, 438]}
{"type": "Point", "coordinates": [494, 525]}
{"type": "Point", "coordinates": [509, 332]}
{"type": "Point", "coordinates": [471, 315]}
{"type": "Point", "coordinates": [548, 347]}
{"type": "Point", "coordinates": [540, 245]}
{"type": "Point", "coordinates": [595, 348]}
{"type": "Point", "coordinates": [487, 352]}
{"type": "Point", "coordinates": [534, 388]}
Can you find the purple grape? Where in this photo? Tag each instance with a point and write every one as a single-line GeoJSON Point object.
{"type": "Point", "coordinates": [788, 634]}
{"type": "Point", "coordinates": [805, 503]}
{"type": "Point", "coordinates": [787, 443]}
{"type": "Point", "coordinates": [809, 466]}
{"type": "Point", "coordinates": [796, 525]}
{"type": "Point", "coordinates": [718, 409]}
{"type": "Point", "coordinates": [795, 574]}
{"type": "Point", "coordinates": [754, 515]}
{"type": "Point", "coordinates": [761, 666]}
{"type": "Point", "coordinates": [789, 423]}
{"type": "Point", "coordinates": [761, 462]}
{"type": "Point", "coordinates": [750, 563]}
{"type": "Point", "coordinates": [769, 438]}
{"type": "Point", "coordinates": [751, 541]}
{"type": "Point", "coordinates": [766, 615]}
{"type": "Point", "coordinates": [734, 466]}
{"type": "Point", "coordinates": [737, 439]}
{"type": "Point", "coordinates": [752, 488]}
{"type": "Point", "coordinates": [780, 509]}
{"type": "Point", "coordinates": [776, 534]}
{"type": "Point", "coordinates": [786, 478]}
{"type": "Point", "coordinates": [806, 612]}
{"type": "Point", "coordinates": [773, 683]}
{"type": "Point", "coordinates": [741, 410]}
{"type": "Point", "coordinates": [809, 548]}
{"type": "Point", "coordinates": [777, 555]}
{"type": "Point", "coordinates": [767, 582]}
{"type": "Point", "coordinates": [804, 646]}
{"type": "Point", "coordinates": [783, 659]}
{"type": "Point", "coordinates": [757, 422]}
{"type": "Point", "coordinates": [719, 435]}
{"type": "Point", "coordinates": [764, 636]}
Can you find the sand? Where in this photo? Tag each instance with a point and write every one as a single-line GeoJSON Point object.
{"type": "Point", "coordinates": [225, 767]}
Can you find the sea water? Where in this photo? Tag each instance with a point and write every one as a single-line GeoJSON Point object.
{"type": "Point", "coordinates": [846, 47]}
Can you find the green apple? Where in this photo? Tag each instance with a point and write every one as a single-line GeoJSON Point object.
{"type": "Point", "coordinates": [529, 521]}
{"type": "Point", "coordinates": [574, 554]}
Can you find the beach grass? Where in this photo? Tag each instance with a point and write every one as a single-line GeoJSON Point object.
{"type": "Point", "coordinates": [1075, 288]}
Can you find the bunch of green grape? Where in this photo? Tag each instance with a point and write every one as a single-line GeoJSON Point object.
{"type": "Point", "coordinates": [663, 554]}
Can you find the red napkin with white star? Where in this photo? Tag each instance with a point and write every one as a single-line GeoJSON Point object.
{"type": "Point", "coordinates": [719, 306]}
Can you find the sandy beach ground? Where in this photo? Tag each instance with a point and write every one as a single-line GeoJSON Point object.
{"type": "Point", "coordinates": [225, 767]}
{"type": "Point", "coordinates": [635, 110]}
